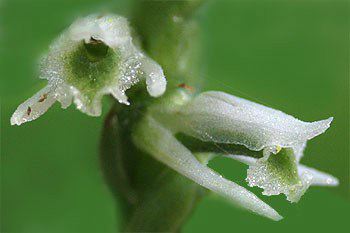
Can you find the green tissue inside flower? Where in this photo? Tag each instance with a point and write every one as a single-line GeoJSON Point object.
{"type": "Point", "coordinates": [278, 174]}
{"type": "Point", "coordinates": [199, 146]}
{"type": "Point", "coordinates": [91, 67]}
{"type": "Point", "coordinates": [280, 169]}
{"type": "Point", "coordinates": [283, 166]}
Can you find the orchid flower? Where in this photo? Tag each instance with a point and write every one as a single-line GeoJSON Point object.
{"type": "Point", "coordinates": [95, 56]}
{"type": "Point", "coordinates": [268, 140]}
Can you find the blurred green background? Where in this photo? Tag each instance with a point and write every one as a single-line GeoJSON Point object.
{"type": "Point", "coordinates": [291, 55]}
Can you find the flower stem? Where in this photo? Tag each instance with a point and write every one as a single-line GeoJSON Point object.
{"type": "Point", "coordinates": [153, 197]}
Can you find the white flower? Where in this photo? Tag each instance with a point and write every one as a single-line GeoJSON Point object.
{"type": "Point", "coordinates": [222, 119]}
{"type": "Point", "coordinates": [94, 57]}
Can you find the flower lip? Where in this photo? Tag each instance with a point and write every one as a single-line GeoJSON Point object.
{"type": "Point", "coordinates": [260, 174]}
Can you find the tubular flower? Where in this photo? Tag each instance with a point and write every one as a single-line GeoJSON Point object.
{"type": "Point", "coordinates": [95, 56]}
{"type": "Point", "coordinates": [268, 140]}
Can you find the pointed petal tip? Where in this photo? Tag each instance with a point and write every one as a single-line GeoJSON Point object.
{"type": "Point", "coordinates": [329, 181]}
{"type": "Point", "coordinates": [318, 127]}
{"type": "Point", "coordinates": [272, 214]}
{"type": "Point", "coordinates": [319, 178]}
{"type": "Point", "coordinates": [323, 124]}
{"type": "Point", "coordinates": [249, 201]}
{"type": "Point", "coordinates": [323, 179]}
{"type": "Point", "coordinates": [277, 217]}
{"type": "Point", "coordinates": [16, 119]}
{"type": "Point", "coordinates": [327, 122]}
{"type": "Point", "coordinates": [13, 121]}
{"type": "Point", "coordinates": [333, 181]}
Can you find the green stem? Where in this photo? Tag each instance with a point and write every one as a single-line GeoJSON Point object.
{"type": "Point", "coordinates": [170, 35]}
{"type": "Point", "coordinates": [153, 197]}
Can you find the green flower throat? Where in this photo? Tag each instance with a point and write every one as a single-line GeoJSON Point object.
{"type": "Point", "coordinates": [91, 67]}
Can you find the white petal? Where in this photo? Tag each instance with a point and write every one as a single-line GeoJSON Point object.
{"type": "Point", "coordinates": [318, 178]}
{"type": "Point", "coordinates": [112, 29]}
{"type": "Point", "coordinates": [223, 118]}
{"type": "Point", "coordinates": [120, 96]}
{"type": "Point", "coordinates": [243, 159]}
{"type": "Point", "coordinates": [155, 79]}
{"type": "Point", "coordinates": [156, 84]}
{"type": "Point", "coordinates": [38, 104]}
{"type": "Point", "coordinates": [35, 106]}
{"type": "Point", "coordinates": [160, 143]}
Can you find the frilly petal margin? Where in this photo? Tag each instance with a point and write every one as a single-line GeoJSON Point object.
{"type": "Point", "coordinates": [318, 178]}
{"type": "Point", "coordinates": [272, 185]}
{"type": "Point", "coordinates": [151, 137]}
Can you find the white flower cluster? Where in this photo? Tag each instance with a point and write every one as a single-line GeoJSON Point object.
{"type": "Point", "coordinates": [96, 56]}
{"type": "Point", "coordinates": [72, 76]}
